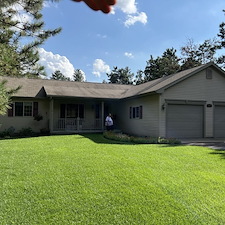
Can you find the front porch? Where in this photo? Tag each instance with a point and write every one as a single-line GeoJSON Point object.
{"type": "Point", "coordinates": [79, 115]}
{"type": "Point", "coordinates": [77, 125]}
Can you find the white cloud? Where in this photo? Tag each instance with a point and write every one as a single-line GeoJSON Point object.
{"type": "Point", "coordinates": [53, 62]}
{"type": "Point", "coordinates": [103, 36]}
{"type": "Point", "coordinates": [48, 4]}
{"type": "Point", "coordinates": [140, 17]}
{"type": "Point", "coordinates": [99, 67]}
{"type": "Point", "coordinates": [129, 55]}
{"type": "Point", "coordinates": [127, 6]}
{"type": "Point", "coordinates": [21, 16]}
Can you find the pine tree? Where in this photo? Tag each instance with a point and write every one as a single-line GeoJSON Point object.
{"type": "Point", "coordinates": [165, 65]}
{"type": "Point", "coordinates": [17, 59]}
{"type": "Point", "coordinates": [5, 97]}
{"type": "Point", "coordinates": [57, 75]}
{"type": "Point", "coordinates": [139, 77]}
{"type": "Point", "coordinates": [120, 76]}
{"type": "Point", "coordinates": [221, 44]}
{"type": "Point", "coordinates": [78, 76]}
{"type": "Point", "coordinates": [198, 54]}
{"type": "Point", "coordinates": [20, 59]}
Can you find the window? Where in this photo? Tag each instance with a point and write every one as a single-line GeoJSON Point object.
{"type": "Point", "coordinates": [72, 111]}
{"type": "Point", "coordinates": [18, 108]}
{"type": "Point", "coordinates": [28, 108]}
{"type": "Point", "coordinates": [136, 112]}
{"type": "Point", "coordinates": [23, 109]}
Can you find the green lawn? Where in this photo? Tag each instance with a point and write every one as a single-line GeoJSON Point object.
{"type": "Point", "coordinates": [90, 180]}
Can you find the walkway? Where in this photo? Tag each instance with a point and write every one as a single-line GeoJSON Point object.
{"type": "Point", "coordinates": [214, 143]}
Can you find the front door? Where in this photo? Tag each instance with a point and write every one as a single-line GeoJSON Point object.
{"type": "Point", "coordinates": [72, 116]}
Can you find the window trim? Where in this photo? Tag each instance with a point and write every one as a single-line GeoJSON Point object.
{"type": "Point", "coordinates": [136, 112]}
{"type": "Point", "coordinates": [79, 110]}
{"type": "Point", "coordinates": [14, 111]}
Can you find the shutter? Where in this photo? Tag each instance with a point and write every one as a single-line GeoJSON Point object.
{"type": "Point", "coordinates": [130, 112]}
{"type": "Point", "coordinates": [35, 108]}
{"type": "Point", "coordinates": [10, 110]}
{"type": "Point", "coordinates": [62, 110]}
{"type": "Point", "coordinates": [134, 114]}
{"type": "Point", "coordinates": [81, 111]}
{"type": "Point", "coordinates": [141, 112]}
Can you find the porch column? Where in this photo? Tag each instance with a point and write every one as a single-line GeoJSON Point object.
{"type": "Point", "coordinates": [103, 119]}
{"type": "Point", "coordinates": [51, 115]}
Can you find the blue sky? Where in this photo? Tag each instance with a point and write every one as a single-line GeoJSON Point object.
{"type": "Point", "coordinates": [95, 42]}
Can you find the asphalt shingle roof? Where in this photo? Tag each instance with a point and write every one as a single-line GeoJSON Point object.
{"type": "Point", "coordinates": [54, 88]}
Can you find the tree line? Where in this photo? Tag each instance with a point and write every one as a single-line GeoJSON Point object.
{"type": "Point", "coordinates": [169, 62]}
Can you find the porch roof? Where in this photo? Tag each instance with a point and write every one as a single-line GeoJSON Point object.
{"type": "Point", "coordinates": [52, 88]}
{"type": "Point", "coordinates": [86, 90]}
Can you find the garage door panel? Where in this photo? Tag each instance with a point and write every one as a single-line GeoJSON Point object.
{"type": "Point", "coordinates": [219, 121]}
{"type": "Point", "coordinates": [185, 121]}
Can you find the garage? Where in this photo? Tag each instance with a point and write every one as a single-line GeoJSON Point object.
{"type": "Point", "coordinates": [219, 121]}
{"type": "Point", "coordinates": [185, 121]}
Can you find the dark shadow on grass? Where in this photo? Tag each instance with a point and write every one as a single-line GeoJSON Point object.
{"type": "Point", "coordinates": [219, 152]}
{"type": "Point", "coordinates": [100, 139]}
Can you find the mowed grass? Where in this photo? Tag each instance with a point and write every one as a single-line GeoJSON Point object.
{"type": "Point", "coordinates": [90, 180]}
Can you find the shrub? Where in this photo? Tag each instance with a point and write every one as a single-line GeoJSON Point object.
{"type": "Point", "coordinates": [116, 136]}
{"type": "Point", "coordinates": [144, 140]}
{"type": "Point", "coordinates": [7, 133]}
{"type": "Point", "coordinates": [25, 132]}
{"type": "Point", "coordinates": [44, 131]}
{"type": "Point", "coordinates": [139, 140]}
{"type": "Point", "coordinates": [38, 117]}
{"type": "Point", "coordinates": [168, 141]}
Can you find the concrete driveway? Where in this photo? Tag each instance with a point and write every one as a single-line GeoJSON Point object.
{"type": "Point", "coordinates": [214, 143]}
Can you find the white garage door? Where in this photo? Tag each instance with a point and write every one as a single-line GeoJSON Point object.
{"type": "Point", "coordinates": [185, 121]}
{"type": "Point", "coordinates": [219, 121]}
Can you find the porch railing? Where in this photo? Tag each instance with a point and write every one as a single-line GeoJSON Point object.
{"type": "Point", "coordinates": [72, 124]}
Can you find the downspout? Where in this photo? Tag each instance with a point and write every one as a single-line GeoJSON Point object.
{"type": "Point", "coordinates": [51, 115]}
{"type": "Point", "coordinates": [103, 119]}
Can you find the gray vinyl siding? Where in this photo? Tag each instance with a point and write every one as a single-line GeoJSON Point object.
{"type": "Point", "coordinates": [198, 88]}
{"type": "Point", "coordinates": [149, 124]}
{"type": "Point", "coordinates": [219, 121]}
{"type": "Point", "coordinates": [19, 122]}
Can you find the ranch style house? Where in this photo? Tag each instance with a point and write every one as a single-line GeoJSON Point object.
{"type": "Point", "coordinates": [188, 104]}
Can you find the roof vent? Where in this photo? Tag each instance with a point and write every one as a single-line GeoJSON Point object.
{"type": "Point", "coordinates": [209, 74]}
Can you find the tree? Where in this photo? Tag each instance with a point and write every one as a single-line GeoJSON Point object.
{"type": "Point", "coordinates": [198, 54]}
{"type": "Point", "coordinates": [5, 97]}
{"type": "Point", "coordinates": [57, 75]}
{"type": "Point", "coordinates": [120, 76]}
{"type": "Point", "coordinates": [139, 77]}
{"type": "Point", "coordinates": [78, 76]}
{"type": "Point", "coordinates": [165, 65]}
{"type": "Point", "coordinates": [22, 37]}
{"type": "Point", "coordinates": [9, 61]}
{"type": "Point", "coordinates": [221, 43]}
